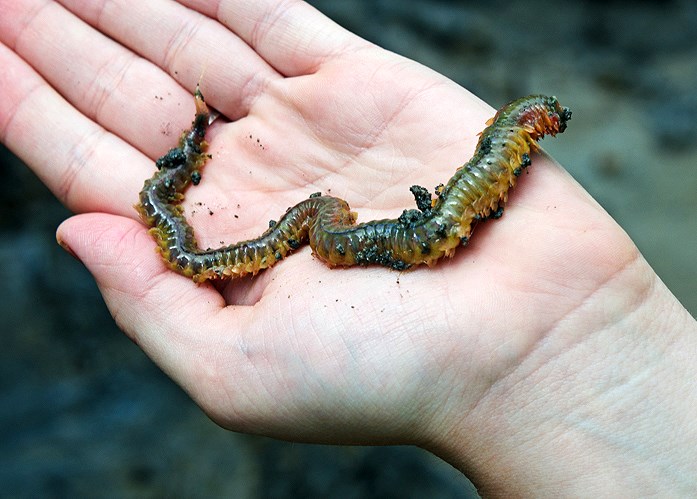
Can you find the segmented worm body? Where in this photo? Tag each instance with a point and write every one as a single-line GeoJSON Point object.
{"type": "Point", "coordinates": [477, 190]}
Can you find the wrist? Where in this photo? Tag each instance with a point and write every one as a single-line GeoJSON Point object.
{"type": "Point", "coordinates": [609, 405]}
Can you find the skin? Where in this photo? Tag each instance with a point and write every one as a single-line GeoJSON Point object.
{"type": "Point", "coordinates": [546, 358]}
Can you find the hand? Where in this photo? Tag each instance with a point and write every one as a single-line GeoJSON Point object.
{"type": "Point", "coordinates": [460, 359]}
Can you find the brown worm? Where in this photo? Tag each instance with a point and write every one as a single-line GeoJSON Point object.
{"type": "Point", "coordinates": [477, 190]}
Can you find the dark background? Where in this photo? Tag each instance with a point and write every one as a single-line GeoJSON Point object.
{"type": "Point", "coordinates": [83, 413]}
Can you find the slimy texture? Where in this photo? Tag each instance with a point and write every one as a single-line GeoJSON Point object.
{"type": "Point", "coordinates": [477, 190]}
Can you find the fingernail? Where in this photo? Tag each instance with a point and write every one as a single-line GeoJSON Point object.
{"type": "Point", "coordinates": [67, 248]}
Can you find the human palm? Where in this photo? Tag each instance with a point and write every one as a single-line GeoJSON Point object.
{"type": "Point", "coordinates": [300, 351]}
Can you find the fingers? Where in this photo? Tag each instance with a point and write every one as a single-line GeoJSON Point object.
{"type": "Point", "coordinates": [125, 94]}
{"type": "Point", "coordinates": [187, 45]}
{"type": "Point", "coordinates": [72, 110]}
{"type": "Point", "coordinates": [292, 36]}
{"type": "Point", "coordinates": [86, 167]}
{"type": "Point", "coordinates": [74, 146]}
{"type": "Point", "coordinates": [166, 314]}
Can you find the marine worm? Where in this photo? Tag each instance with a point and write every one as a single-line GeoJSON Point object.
{"type": "Point", "coordinates": [478, 190]}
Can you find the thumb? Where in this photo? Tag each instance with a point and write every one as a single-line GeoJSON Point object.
{"type": "Point", "coordinates": [143, 296]}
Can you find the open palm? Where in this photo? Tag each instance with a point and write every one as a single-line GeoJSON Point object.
{"type": "Point", "coordinates": [95, 91]}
